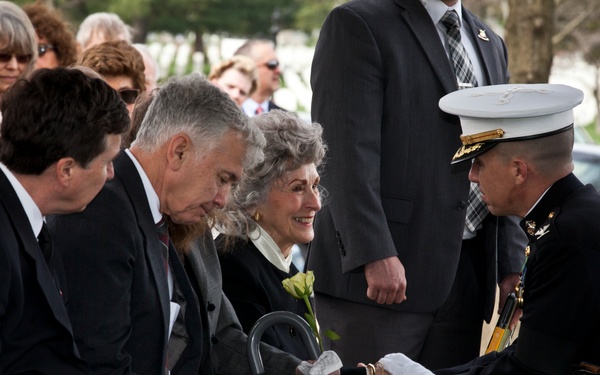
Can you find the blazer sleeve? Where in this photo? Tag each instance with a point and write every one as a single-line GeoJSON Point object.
{"type": "Point", "coordinates": [228, 348]}
{"type": "Point", "coordinates": [241, 285]}
{"type": "Point", "coordinates": [99, 273]}
{"type": "Point", "coordinates": [230, 356]}
{"type": "Point", "coordinates": [349, 83]}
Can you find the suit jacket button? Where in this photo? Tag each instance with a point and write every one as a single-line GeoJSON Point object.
{"type": "Point", "coordinates": [461, 205]}
{"type": "Point", "coordinates": [211, 307]}
{"type": "Point", "coordinates": [214, 339]}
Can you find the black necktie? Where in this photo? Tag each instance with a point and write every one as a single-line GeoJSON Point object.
{"type": "Point", "coordinates": [45, 244]}
{"type": "Point", "coordinates": [465, 77]}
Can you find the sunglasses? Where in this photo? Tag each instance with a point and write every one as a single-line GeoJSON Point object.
{"type": "Point", "coordinates": [43, 48]}
{"type": "Point", "coordinates": [129, 95]}
{"type": "Point", "coordinates": [21, 59]}
{"type": "Point", "coordinates": [272, 64]}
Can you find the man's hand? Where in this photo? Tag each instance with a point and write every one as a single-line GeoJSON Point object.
{"type": "Point", "coordinates": [507, 285]}
{"type": "Point", "coordinates": [386, 281]}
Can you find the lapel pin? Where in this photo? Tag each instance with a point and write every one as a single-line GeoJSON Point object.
{"type": "Point", "coordinates": [482, 35]}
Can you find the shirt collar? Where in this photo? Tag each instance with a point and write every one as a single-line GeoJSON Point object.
{"type": "Point", "coordinates": [269, 249]}
{"type": "Point", "coordinates": [249, 106]}
{"type": "Point", "coordinates": [148, 188]}
{"type": "Point", "coordinates": [34, 215]}
{"type": "Point", "coordinates": [437, 9]}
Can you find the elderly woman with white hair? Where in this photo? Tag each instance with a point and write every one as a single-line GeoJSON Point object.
{"type": "Point", "coordinates": [102, 27]}
{"type": "Point", "coordinates": [272, 208]}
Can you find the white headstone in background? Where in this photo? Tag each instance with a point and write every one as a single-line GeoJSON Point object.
{"type": "Point", "coordinates": [574, 71]}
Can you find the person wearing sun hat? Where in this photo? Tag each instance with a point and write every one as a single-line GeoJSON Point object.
{"type": "Point", "coordinates": [519, 138]}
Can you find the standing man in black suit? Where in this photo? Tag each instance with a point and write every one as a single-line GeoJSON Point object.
{"type": "Point", "coordinates": [60, 132]}
{"type": "Point", "coordinates": [133, 308]}
{"type": "Point", "coordinates": [396, 268]}
{"type": "Point", "coordinates": [262, 51]}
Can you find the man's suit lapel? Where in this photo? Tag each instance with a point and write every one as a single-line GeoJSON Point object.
{"type": "Point", "coordinates": [21, 225]}
{"type": "Point", "coordinates": [488, 55]}
{"type": "Point", "coordinates": [125, 170]}
{"type": "Point", "coordinates": [191, 326]}
{"type": "Point", "coordinates": [416, 17]}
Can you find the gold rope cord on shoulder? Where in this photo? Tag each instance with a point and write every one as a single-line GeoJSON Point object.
{"type": "Point", "coordinates": [481, 137]}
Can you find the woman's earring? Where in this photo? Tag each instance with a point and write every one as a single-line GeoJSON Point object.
{"type": "Point", "coordinates": [257, 216]}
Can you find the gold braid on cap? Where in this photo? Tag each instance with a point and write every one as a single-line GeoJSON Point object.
{"type": "Point", "coordinates": [481, 137]}
{"type": "Point", "coordinates": [466, 150]}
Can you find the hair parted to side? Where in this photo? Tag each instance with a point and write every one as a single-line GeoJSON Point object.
{"type": "Point", "coordinates": [58, 113]}
{"type": "Point", "coordinates": [291, 143]}
{"type": "Point", "coordinates": [49, 24]}
{"type": "Point", "coordinates": [17, 33]}
{"type": "Point", "coordinates": [242, 64]}
{"type": "Point", "coordinates": [193, 105]}
{"type": "Point", "coordinates": [116, 58]}
{"type": "Point", "coordinates": [108, 26]}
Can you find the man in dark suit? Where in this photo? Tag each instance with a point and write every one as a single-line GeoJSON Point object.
{"type": "Point", "coordinates": [60, 132]}
{"type": "Point", "coordinates": [262, 51]}
{"type": "Point", "coordinates": [396, 269]}
{"type": "Point", "coordinates": [132, 302]}
{"type": "Point", "coordinates": [520, 139]}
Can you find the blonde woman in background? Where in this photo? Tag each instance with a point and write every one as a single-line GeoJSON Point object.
{"type": "Point", "coordinates": [236, 76]}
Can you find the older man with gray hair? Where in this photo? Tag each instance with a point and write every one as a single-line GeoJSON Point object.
{"type": "Point", "coordinates": [130, 297]}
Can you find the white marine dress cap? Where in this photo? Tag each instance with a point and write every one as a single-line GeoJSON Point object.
{"type": "Point", "coordinates": [500, 113]}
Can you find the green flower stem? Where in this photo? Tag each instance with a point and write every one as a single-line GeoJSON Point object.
{"type": "Point", "coordinates": [313, 324]}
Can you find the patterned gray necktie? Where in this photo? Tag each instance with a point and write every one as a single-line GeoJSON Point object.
{"type": "Point", "coordinates": [463, 68]}
{"type": "Point", "coordinates": [163, 236]}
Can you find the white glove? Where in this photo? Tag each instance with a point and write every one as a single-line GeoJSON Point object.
{"type": "Point", "coordinates": [399, 364]}
{"type": "Point", "coordinates": [327, 363]}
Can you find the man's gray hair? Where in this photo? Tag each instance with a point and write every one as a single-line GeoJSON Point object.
{"type": "Point", "coordinates": [291, 143]}
{"type": "Point", "coordinates": [194, 106]}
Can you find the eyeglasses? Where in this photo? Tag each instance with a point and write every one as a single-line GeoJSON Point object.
{"type": "Point", "coordinates": [272, 64]}
{"type": "Point", "coordinates": [21, 59]}
{"type": "Point", "coordinates": [43, 48]}
{"type": "Point", "coordinates": [129, 95]}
